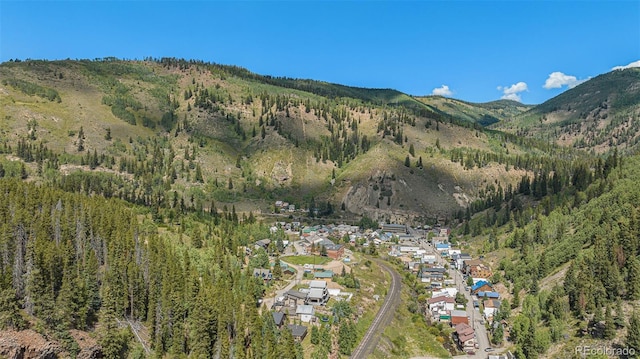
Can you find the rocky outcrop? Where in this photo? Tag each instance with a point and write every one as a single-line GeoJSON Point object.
{"type": "Point", "coordinates": [89, 348]}
{"type": "Point", "coordinates": [27, 344]}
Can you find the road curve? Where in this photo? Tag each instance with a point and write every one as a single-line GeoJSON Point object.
{"type": "Point", "coordinates": [382, 319]}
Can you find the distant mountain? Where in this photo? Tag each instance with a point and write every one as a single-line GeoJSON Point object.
{"type": "Point", "coordinates": [599, 114]}
{"type": "Point", "coordinates": [484, 114]}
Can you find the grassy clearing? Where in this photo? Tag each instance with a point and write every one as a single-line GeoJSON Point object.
{"type": "Point", "coordinates": [302, 260]}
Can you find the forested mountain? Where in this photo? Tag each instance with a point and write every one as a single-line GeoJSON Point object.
{"type": "Point", "coordinates": [598, 115]}
{"type": "Point", "coordinates": [73, 261]}
{"type": "Point", "coordinates": [194, 133]}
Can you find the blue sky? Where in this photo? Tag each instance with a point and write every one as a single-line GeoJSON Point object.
{"type": "Point", "coordinates": [479, 50]}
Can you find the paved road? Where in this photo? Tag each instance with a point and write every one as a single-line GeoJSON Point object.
{"type": "Point", "coordinates": [475, 318]}
{"type": "Point", "coordinates": [384, 316]}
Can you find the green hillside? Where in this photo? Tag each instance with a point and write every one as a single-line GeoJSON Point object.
{"type": "Point", "coordinates": [599, 114]}
{"type": "Point", "coordinates": [484, 114]}
{"type": "Point", "coordinates": [214, 134]}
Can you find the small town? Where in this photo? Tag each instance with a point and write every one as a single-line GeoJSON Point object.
{"type": "Point", "coordinates": [462, 296]}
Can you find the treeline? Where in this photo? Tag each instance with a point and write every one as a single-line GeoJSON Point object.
{"type": "Point", "coordinates": [32, 89]}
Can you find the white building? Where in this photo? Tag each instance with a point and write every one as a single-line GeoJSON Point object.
{"type": "Point", "coordinates": [306, 312]}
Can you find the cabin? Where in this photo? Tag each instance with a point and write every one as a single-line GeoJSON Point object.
{"type": "Point", "coordinates": [279, 318]}
{"type": "Point", "coordinates": [263, 274]}
{"type": "Point", "coordinates": [297, 331]}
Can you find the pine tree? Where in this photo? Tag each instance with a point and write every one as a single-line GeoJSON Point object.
{"type": "Point", "coordinates": [325, 337]}
{"type": "Point", "coordinates": [286, 344]}
{"type": "Point", "coordinates": [346, 337]}
{"type": "Point", "coordinates": [113, 341]}
{"type": "Point", "coordinates": [81, 139]}
{"type": "Point", "coordinates": [633, 282]}
{"type": "Point", "coordinates": [23, 171]}
{"type": "Point", "coordinates": [9, 310]}
{"type": "Point", "coordinates": [633, 333]}
{"type": "Point", "coordinates": [407, 162]}
{"type": "Point", "coordinates": [199, 177]}
{"type": "Point", "coordinates": [497, 335]}
{"type": "Point", "coordinates": [277, 268]}
{"type": "Point", "coordinates": [315, 335]}
{"type": "Point", "coordinates": [619, 318]}
{"type": "Point", "coordinates": [609, 325]}
{"type": "Point", "coordinates": [412, 150]}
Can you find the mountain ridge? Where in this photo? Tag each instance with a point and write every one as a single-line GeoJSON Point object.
{"type": "Point", "coordinates": [240, 131]}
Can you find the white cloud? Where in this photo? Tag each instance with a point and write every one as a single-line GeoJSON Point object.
{"type": "Point", "coordinates": [442, 91]}
{"type": "Point", "coordinates": [558, 79]}
{"type": "Point", "coordinates": [633, 64]}
{"type": "Point", "coordinates": [513, 92]}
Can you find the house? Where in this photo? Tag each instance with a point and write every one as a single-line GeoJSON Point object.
{"type": "Point", "coordinates": [476, 269]}
{"type": "Point", "coordinates": [491, 307]}
{"type": "Point", "coordinates": [318, 284]}
{"type": "Point", "coordinates": [467, 264]}
{"type": "Point", "coordinates": [295, 296]}
{"type": "Point", "coordinates": [317, 296]}
{"type": "Point", "coordinates": [441, 303]}
{"type": "Point", "coordinates": [454, 251]}
{"type": "Point", "coordinates": [305, 312]}
{"type": "Point", "coordinates": [279, 318]}
{"type": "Point", "coordinates": [481, 286]}
{"type": "Point", "coordinates": [450, 291]}
{"type": "Point", "coordinates": [262, 273]}
{"type": "Point", "coordinates": [488, 295]}
{"type": "Point", "coordinates": [432, 273]}
{"type": "Point", "coordinates": [508, 355]}
{"type": "Point", "coordinates": [465, 337]}
{"type": "Point", "coordinates": [318, 293]}
{"type": "Point", "coordinates": [335, 251]}
{"type": "Point", "coordinates": [428, 259]}
{"type": "Point", "coordinates": [459, 316]}
{"type": "Point", "coordinates": [480, 271]}
{"type": "Point", "coordinates": [264, 243]}
{"type": "Point", "coordinates": [394, 228]}
{"type": "Point", "coordinates": [327, 274]}
{"type": "Point", "coordinates": [297, 331]}
{"type": "Point", "coordinates": [461, 258]}
{"type": "Point", "coordinates": [443, 249]}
